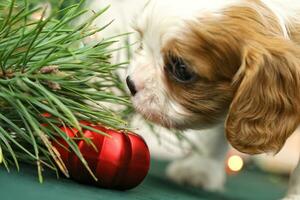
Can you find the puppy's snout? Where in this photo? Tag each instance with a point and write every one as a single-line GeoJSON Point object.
{"type": "Point", "coordinates": [131, 86]}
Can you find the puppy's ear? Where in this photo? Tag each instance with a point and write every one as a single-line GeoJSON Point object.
{"type": "Point", "coordinates": [265, 108]}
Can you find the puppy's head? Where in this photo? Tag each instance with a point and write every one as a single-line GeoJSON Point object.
{"type": "Point", "coordinates": [200, 63]}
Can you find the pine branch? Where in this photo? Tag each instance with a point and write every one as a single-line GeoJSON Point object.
{"type": "Point", "coordinates": [45, 68]}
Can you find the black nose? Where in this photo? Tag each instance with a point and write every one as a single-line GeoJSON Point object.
{"type": "Point", "coordinates": [131, 86]}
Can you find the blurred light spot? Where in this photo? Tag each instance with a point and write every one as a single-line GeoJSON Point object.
{"type": "Point", "coordinates": [235, 163]}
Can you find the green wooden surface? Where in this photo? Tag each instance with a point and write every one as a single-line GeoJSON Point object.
{"type": "Point", "coordinates": [248, 185]}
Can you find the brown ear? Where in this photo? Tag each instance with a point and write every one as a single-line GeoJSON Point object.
{"type": "Point", "coordinates": [265, 108]}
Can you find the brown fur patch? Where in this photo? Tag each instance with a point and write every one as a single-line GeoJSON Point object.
{"type": "Point", "coordinates": [295, 33]}
{"type": "Point", "coordinates": [265, 109]}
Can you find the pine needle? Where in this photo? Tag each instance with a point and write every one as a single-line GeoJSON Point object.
{"type": "Point", "coordinates": [45, 68]}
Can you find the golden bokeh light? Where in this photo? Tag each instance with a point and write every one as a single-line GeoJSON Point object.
{"type": "Point", "coordinates": [235, 163]}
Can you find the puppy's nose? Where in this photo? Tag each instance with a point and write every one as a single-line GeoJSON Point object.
{"type": "Point", "coordinates": [131, 86]}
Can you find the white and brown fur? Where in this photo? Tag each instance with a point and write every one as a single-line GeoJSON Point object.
{"type": "Point", "coordinates": [246, 54]}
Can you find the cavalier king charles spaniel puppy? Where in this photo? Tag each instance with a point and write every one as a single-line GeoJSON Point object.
{"type": "Point", "coordinates": [229, 66]}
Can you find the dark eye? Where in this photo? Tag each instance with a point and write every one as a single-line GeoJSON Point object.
{"type": "Point", "coordinates": [179, 70]}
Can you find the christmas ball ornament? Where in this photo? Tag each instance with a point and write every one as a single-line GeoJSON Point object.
{"type": "Point", "coordinates": [120, 160]}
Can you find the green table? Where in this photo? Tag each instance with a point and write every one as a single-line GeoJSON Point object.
{"type": "Point", "coordinates": [250, 184]}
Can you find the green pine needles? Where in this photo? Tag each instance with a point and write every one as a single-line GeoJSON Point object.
{"type": "Point", "coordinates": [46, 68]}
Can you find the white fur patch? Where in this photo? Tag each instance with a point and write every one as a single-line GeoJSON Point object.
{"type": "Point", "coordinates": [292, 197]}
{"type": "Point", "coordinates": [197, 171]}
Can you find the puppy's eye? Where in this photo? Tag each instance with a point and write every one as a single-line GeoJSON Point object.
{"type": "Point", "coordinates": [179, 70]}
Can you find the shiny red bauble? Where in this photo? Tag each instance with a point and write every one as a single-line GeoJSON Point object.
{"type": "Point", "coordinates": [121, 160]}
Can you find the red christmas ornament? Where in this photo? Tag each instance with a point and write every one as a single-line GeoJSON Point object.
{"type": "Point", "coordinates": [121, 161]}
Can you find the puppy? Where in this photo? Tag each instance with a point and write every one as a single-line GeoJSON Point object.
{"type": "Point", "coordinates": [229, 66]}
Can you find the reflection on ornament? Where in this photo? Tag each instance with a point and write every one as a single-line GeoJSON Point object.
{"type": "Point", "coordinates": [235, 163]}
{"type": "Point", "coordinates": [120, 160]}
